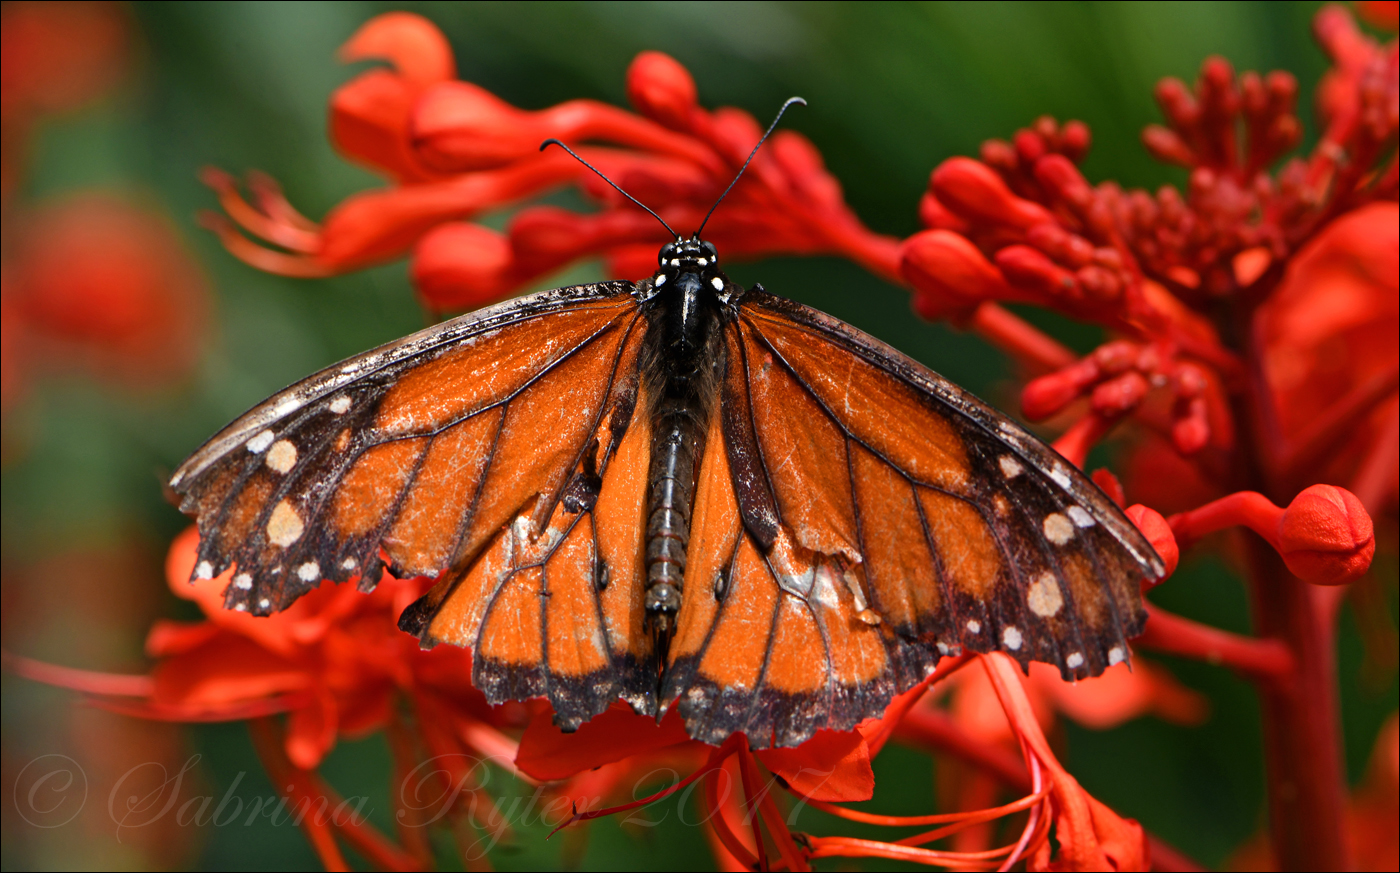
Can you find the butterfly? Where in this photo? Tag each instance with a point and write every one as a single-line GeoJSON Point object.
{"type": "Point", "coordinates": [677, 492]}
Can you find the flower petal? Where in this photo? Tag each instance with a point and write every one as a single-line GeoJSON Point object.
{"type": "Point", "coordinates": [833, 766]}
{"type": "Point", "coordinates": [547, 753]}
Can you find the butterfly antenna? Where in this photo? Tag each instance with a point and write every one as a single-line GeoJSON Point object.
{"type": "Point", "coordinates": [766, 134]}
{"type": "Point", "coordinates": [549, 142]}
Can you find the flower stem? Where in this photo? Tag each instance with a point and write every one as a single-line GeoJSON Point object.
{"type": "Point", "coordinates": [1302, 736]}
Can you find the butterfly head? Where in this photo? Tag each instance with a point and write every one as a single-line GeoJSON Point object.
{"type": "Point", "coordinates": [688, 257]}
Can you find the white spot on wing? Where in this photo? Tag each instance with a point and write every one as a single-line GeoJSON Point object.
{"type": "Point", "coordinates": [240, 607]}
{"type": "Point", "coordinates": [1116, 655]}
{"type": "Point", "coordinates": [974, 626]}
{"type": "Point", "coordinates": [242, 581]}
{"type": "Point", "coordinates": [204, 570]}
{"type": "Point", "coordinates": [349, 563]}
{"type": "Point", "coordinates": [340, 405]}
{"type": "Point", "coordinates": [264, 603]}
{"type": "Point", "coordinates": [309, 572]}
{"type": "Point", "coordinates": [718, 283]}
{"type": "Point", "coordinates": [1074, 661]}
{"type": "Point", "coordinates": [261, 441]}
{"type": "Point", "coordinates": [1044, 597]}
{"type": "Point", "coordinates": [1058, 529]}
{"type": "Point", "coordinates": [1012, 638]}
{"type": "Point", "coordinates": [284, 526]}
{"type": "Point", "coordinates": [660, 280]}
{"type": "Point", "coordinates": [291, 404]}
{"type": "Point", "coordinates": [1059, 475]}
{"type": "Point", "coordinates": [1010, 467]}
{"type": "Point", "coordinates": [1080, 516]}
{"type": "Point", "coordinates": [282, 456]}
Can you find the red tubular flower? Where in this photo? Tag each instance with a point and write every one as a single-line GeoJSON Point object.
{"type": "Point", "coordinates": [334, 664]}
{"type": "Point", "coordinates": [105, 285]}
{"type": "Point", "coordinates": [456, 150]}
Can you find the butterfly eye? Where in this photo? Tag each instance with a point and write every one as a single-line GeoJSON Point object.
{"type": "Point", "coordinates": [668, 252]}
{"type": "Point", "coordinates": [711, 251]}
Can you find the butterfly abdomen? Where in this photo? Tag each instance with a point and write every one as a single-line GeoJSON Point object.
{"type": "Point", "coordinates": [671, 494]}
{"type": "Point", "coordinates": [679, 365]}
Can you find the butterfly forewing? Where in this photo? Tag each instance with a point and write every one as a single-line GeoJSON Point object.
{"type": "Point", "coordinates": [973, 534]}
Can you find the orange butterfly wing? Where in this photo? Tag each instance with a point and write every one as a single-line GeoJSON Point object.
{"type": "Point", "coordinates": [500, 446]}
{"type": "Point", "coordinates": [857, 517]}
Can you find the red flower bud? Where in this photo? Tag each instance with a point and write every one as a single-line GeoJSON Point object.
{"type": "Point", "coordinates": [1120, 395]}
{"type": "Point", "coordinates": [1191, 430]}
{"type": "Point", "coordinates": [1117, 356]}
{"type": "Point", "coordinates": [1177, 103]}
{"type": "Point", "coordinates": [461, 266]}
{"type": "Point", "coordinates": [975, 191]}
{"type": "Point", "coordinates": [1063, 180]}
{"type": "Point", "coordinates": [662, 90]}
{"type": "Point", "coordinates": [1030, 146]}
{"type": "Point", "coordinates": [1027, 268]}
{"type": "Point", "coordinates": [1067, 248]}
{"type": "Point", "coordinates": [1166, 146]}
{"type": "Point", "coordinates": [1100, 286]}
{"type": "Point", "coordinates": [1075, 140]}
{"type": "Point", "coordinates": [948, 273]}
{"type": "Point", "coordinates": [1043, 397]}
{"type": "Point", "coordinates": [999, 154]}
{"type": "Point", "coordinates": [936, 215]}
{"type": "Point", "coordinates": [1158, 533]}
{"type": "Point", "coordinates": [1326, 536]}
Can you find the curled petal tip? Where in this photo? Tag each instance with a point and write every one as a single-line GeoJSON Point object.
{"type": "Point", "coordinates": [413, 44]}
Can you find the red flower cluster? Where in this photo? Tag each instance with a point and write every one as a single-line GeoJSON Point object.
{"type": "Point", "coordinates": [455, 151]}
{"type": "Point", "coordinates": [1252, 348]}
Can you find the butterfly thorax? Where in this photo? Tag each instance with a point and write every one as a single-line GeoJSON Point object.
{"type": "Point", "coordinates": [684, 304]}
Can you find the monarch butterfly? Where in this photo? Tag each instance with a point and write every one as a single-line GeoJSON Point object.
{"type": "Point", "coordinates": [674, 492]}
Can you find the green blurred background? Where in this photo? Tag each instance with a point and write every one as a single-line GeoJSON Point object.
{"type": "Point", "coordinates": [892, 90]}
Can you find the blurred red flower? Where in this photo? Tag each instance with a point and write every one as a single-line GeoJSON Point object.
{"type": "Point", "coordinates": [54, 57]}
{"type": "Point", "coordinates": [104, 285]}
{"type": "Point", "coordinates": [454, 151]}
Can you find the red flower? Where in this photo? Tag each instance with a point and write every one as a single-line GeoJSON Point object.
{"type": "Point", "coordinates": [454, 151]}
{"type": "Point", "coordinates": [107, 285]}
{"type": "Point", "coordinates": [56, 57]}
